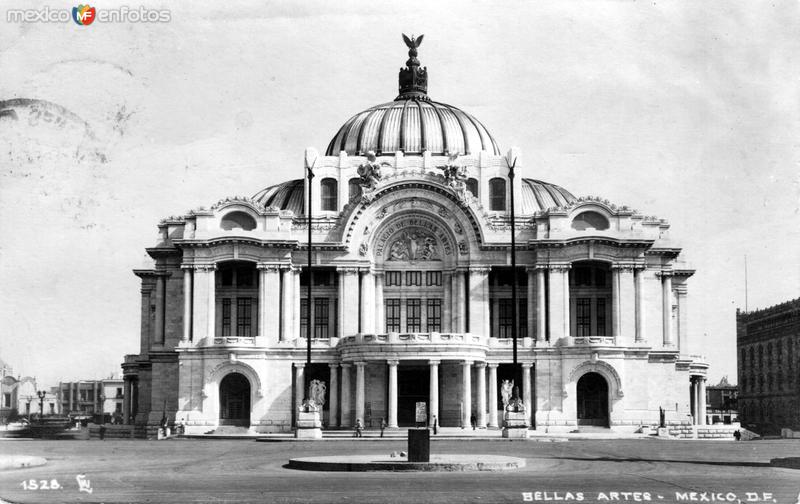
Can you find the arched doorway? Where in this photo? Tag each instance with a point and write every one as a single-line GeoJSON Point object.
{"type": "Point", "coordinates": [234, 400]}
{"type": "Point", "coordinates": [593, 400]}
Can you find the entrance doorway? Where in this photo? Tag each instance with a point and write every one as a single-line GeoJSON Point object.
{"type": "Point", "coordinates": [234, 400]}
{"type": "Point", "coordinates": [593, 400]}
{"type": "Point", "coordinates": [413, 386]}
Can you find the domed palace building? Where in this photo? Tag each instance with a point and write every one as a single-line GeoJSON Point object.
{"type": "Point", "coordinates": [412, 292]}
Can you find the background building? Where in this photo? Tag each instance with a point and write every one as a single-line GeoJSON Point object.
{"type": "Point", "coordinates": [412, 292]}
{"type": "Point", "coordinates": [767, 343]}
{"type": "Point", "coordinates": [721, 403]}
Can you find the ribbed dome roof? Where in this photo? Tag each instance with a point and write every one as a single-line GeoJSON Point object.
{"type": "Point", "coordinates": [412, 125]}
{"type": "Point", "coordinates": [536, 196]}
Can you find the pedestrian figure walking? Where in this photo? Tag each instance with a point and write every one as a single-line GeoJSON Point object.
{"type": "Point", "coordinates": [435, 425]}
{"type": "Point", "coordinates": [473, 421]}
{"type": "Point", "coordinates": [737, 435]}
{"type": "Point", "coordinates": [383, 425]}
{"type": "Point", "coordinates": [359, 428]}
{"type": "Point", "coordinates": [102, 431]}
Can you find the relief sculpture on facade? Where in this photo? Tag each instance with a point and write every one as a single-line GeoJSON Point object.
{"type": "Point", "coordinates": [416, 245]}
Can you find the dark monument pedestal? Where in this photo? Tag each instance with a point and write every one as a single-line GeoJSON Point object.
{"type": "Point", "coordinates": [419, 445]}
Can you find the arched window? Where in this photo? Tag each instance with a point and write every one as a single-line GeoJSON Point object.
{"type": "Point", "coordinates": [472, 186]}
{"type": "Point", "coordinates": [354, 187]}
{"type": "Point", "coordinates": [238, 220]}
{"type": "Point", "coordinates": [329, 189]}
{"type": "Point", "coordinates": [587, 220]}
{"type": "Point", "coordinates": [497, 194]}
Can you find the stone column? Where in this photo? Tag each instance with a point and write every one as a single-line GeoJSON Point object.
{"type": "Point", "coordinates": [694, 400]}
{"type": "Point", "coordinates": [159, 328]}
{"type": "Point", "coordinates": [459, 298]}
{"type": "Point", "coordinates": [527, 389]}
{"type": "Point", "coordinates": [299, 384]}
{"type": "Point", "coordinates": [627, 309]}
{"type": "Point", "coordinates": [204, 304]}
{"type": "Point", "coordinates": [478, 301]}
{"type": "Point", "coordinates": [188, 271]}
{"type": "Point", "coordinates": [287, 298]}
{"type": "Point", "coordinates": [348, 311]}
{"type": "Point", "coordinates": [380, 317]}
{"type": "Point", "coordinates": [296, 299]}
{"type": "Point", "coordinates": [466, 393]}
{"type": "Point", "coordinates": [268, 302]}
{"type": "Point", "coordinates": [701, 392]}
{"type": "Point", "coordinates": [347, 421]}
{"type": "Point", "coordinates": [447, 303]}
{"type": "Point", "coordinates": [126, 402]}
{"type": "Point", "coordinates": [392, 422]}
{"type": "Point", "coordinates": [360, 391]}
{"type": "Point", "coordinates": [531, 301]}
{"type": "Point", "coordinates": [481, 384]}
{"type": "Point", "coordinates": [640, 320]}
{"type": "Point", "coordinates": [559, 302]}
{"type": "Point", "coordinates": [541, 305]}
{"type": "Point", "coordinates": [367, 303]}
{"type": "Point", "coordinates": [683, 327]}
{"type": "Point", "coordinates": [212, 303]}
{"type": "Point", "coordinates": [666, 307]}
{"type": "Point", "coordinates": [434, 390]}
{"type": "Point", "coordinates": [333, 392]}
{"type": "Point", "coordinates": [493, 395]}
{"type": "Point", "coordinates": [615, 314]}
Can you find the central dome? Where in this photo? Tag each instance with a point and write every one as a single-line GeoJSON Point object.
{"type": "Point", "coordinates": [412, 123]}
{"type": "Point", "coordinates": [412, 126]}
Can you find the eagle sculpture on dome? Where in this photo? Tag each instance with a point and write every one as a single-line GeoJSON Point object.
{"type": "Point", "coordinates": [412, 42]}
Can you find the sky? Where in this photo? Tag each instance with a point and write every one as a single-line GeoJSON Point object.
{"type": "Point", "coordinates": [687, 111]}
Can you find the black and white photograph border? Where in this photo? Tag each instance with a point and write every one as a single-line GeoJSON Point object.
{"type": "Point", "coordinates": [400, 252]}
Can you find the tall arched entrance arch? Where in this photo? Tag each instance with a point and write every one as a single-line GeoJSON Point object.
{"type": "Point", "coordinates": [592, 397]}
{"type": "Point", "coordinates": [234, 400]}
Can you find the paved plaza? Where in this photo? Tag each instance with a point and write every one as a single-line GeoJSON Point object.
{"type": "Point", "coordinates": [183, 470]}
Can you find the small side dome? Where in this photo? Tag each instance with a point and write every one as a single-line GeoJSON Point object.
{"type": "Point", "coordinates": [284, 196]}
{"type": "Point", "coordinates": [590, 220]}
{"type": "Point", "coordinates": [538, 196]}
{"type": "Point", "coordinates": [238, 220]}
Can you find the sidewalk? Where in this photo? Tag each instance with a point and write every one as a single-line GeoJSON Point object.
{"type": "Point", "coordinates": [444, 433]}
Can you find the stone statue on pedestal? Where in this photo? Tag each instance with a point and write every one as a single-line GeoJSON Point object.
{"type": "Point", "coordinates": [505, 391]}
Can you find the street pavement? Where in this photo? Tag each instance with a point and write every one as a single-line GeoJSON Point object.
{"type": "Point", "coordinates": [584, 471]}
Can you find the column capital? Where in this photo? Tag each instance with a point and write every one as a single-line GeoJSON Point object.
{"type": "Point", "coordinates": [664, 274]}
{"type": "Point", "coordinates": [541, 266]}
{"type": "Point", "coordinates": [360, 363]}
{"type": "Point", "coordinates": [531, 269]}
{"type": "Point", "coordinates": [480, 364]}
{"type": "Point", "coordinates": [393, 362]}
{"type": "Point", "coordinates": [492, 365]}
{"type": "Point", "coordinates": [273, 267]}
{"type": "Point", "coordinates": [348, 270]}
{"type": "Point", "coordinates": [527, 365]}
{"type": "Point", "coordinates": [623, 266]}
{"type": "Point", "coordinates": [205, 267]}
{"type": "Point", "coordinates": [299, 365]}
{"type": "Point", "coordinates": [289, 268]}
{"type": "Point", "coordinates": [562, 267]}
{"type": "Point", "coordinates": [467, 363]}
{"type": "Point", "coordinates": [481, 270]}
{"type": "Point", "coordinates": [333, 365]}
{"type": "Point", "coordinates": [347, 365]}
{"type": "Point", "coordinates": [434, 362]}
{"type": "Point", "coordinates": [187, 266]}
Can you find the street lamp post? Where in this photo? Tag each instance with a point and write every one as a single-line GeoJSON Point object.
{"type": "Point", "coordinates": [41, 394]}
{"type": "Point", "coordinates": [310, 175]}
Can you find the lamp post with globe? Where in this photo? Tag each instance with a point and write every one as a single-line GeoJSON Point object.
{"type": "Point", "coordinates": [41, 394]}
